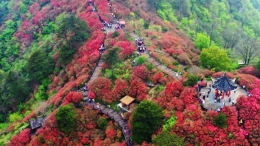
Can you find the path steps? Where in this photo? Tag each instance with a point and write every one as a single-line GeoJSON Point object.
{"type": "Point", "coordinates": [113, 115]}
{"type": "Point", "coordinates": [157, 64]}
{"type": "Point", "coordinates": [162, 67]}
{"type": "Point", "coordinates": [104, 109]}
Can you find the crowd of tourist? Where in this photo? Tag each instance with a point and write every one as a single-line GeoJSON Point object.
{"type": "Point", "coordinates": [140, 44]}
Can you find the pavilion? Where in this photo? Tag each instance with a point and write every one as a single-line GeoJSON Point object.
{"type": "Point", "coordinates": [212, 97]}
{"type": "Point", "coordinates": [224, 84]}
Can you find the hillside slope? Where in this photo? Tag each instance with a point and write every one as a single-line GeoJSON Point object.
{"type": "Point", "coordinates": [59, 68]}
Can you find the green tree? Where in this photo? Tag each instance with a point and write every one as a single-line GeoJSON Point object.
{"type": "Point", "coordinates": [147, 117]}
{"type": "Point", "coordinates": [202, 41]}
{"type": "Point", "coordinates": [39, 66]}
{"type": "Point", "coordinates": [66, 54]}
{"type": "Point", "coordinates": [146, 24]}
{"type": "Point", "coordinates": [66, 118]}
{"type": "Point", "coordinates": [214, 57]}
{"type": "Point", "coordinates": [102, 123]}
{"type": "Point", "coordinates": [167, 139]}
{"type": "Point", "coordinates": [220, 120]}
{"type": "Point", "coordinates": [192, 80]}
{"type": "Point", "coordinates": [14, 89]}
{"type": "Point", "coordinates": [112, 57]}
{"type": "Point", "coordinates": [74, 31]}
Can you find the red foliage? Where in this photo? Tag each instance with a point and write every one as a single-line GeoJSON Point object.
{"type": "Point", "coordinates": [74, 97]}
{"type": "Point", "coordinates": [219, 74]}
{"type": "Point", "coordinates": [138, 89]}
{"type": "Point", "coordinates": [255, 93]}
{"type": "Point", "coordinates": [157, 77]}
{"type": "Point", "coordinates": [249, 81]}
{"type": "Point", "coordinates": [110, 133]}
{"type": "Point", "coordinates": [142, 72]}
{"type": "Point", "coordinates": [249, 113]}
{"type": "Point", "coordinates": [127, 48]}
{"type": "Point", "coordinates": [121, 88]}
{"type": "Point", "coordinates": [22, 138]}
{"type": "Point", "coordinates": [173, 89]}
{"type": "Point", "coordinates": [248, 70]}
{"type": "Point", "coordinates": [98, 142]}
{"type": "Point", "coordinates": [102, 88]}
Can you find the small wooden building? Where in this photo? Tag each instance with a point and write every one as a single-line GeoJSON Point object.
{"type": "Point", "coordinates": [125, 102]}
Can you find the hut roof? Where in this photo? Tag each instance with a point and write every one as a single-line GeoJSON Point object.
{"type": "Point", "coordinates": [127, 100]}
{"type": "Point", "coordinates": [224, 84]}
{"type": "Point", "coordinates": [37, 122]}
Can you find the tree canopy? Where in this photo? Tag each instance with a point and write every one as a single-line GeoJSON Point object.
{"type": "Point", "coordinates": [73, 30]}
{"type": "Point", "coordinates": [66, 118]}
{"type": "Point", "coordinates": [39, 66]}
{"type": "Point", "coordinates": [14, 89]}
{"type": "Point", "coordinates": [147, 117]}
{"type": "Point", "coordinates": [202, 41]}
{"type": "Point", "coordinates": [216, 58]}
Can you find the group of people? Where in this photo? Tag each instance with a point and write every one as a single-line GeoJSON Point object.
{"type": "Point", "coordinates": [140, 44]}
{"type": "Point", "coordinates": [119, 26]}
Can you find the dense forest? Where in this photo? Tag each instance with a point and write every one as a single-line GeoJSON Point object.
{"type": "Point", "coordinates": [56, 53]}
{"type": "Point", "coordinates": [229, 24]}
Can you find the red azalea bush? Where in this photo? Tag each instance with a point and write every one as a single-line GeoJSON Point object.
{"type": "Point", "coordinates": [142, 72]}
{"type": "Point", "coordinates": [127, 48]}
{"type": "Point", "coordinates": [173, 89]}
{"type": "Point", "coordinates": [157, 77]}
{"type": "Point", "coordinates": [75, 97]}
{"type": "Point", "coordinates": [121, 88]}
{"type": "Point", "coordinates": [248, 70]}
{"type": "Point", "coordinates": [249, 81]}
{"type": "Point", "coordinates": [22, 138]}
{"type": "Point", "coordinates": [102, 88]}
{"type": "Point", "coordinates": [138, 89]}
{"type": "Point", "coordinates": [219, 74]}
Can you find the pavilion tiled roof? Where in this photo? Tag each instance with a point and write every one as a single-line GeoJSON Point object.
{"type": "Point", "coordinates": [224, 84]}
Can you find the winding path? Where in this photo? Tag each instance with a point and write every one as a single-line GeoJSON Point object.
{"type": "Point", "coordinates": [104, 109]}
{"type": "Point", "coordinates": [157, 64]}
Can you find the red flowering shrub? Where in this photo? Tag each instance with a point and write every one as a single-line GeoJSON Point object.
{"type": "Point", "coordinates": [248, 70]}
{"type": "Point", "coordinates": [121, 88]}
{"type": "Point", "coordinates": [138, 89]}
{"type": "Point", "coordinates": [249, 113]}
{"type": "Point", "coordinates": [255, 93]}
{"type": "Point", "coordinates": [110, 133]}
{"type": "Point", "coordinates": [173, 89]}
{"type": "Point", "coordinates": [157, 77]}
{"type": "Point", "coordinates": [127, 48]}
{"type": "Point", "coordinates": [74, 97]}
{"type": "Point", "coordinates": [22, 139]}
{"type": "Point", "coordinates": [219, 74]}
{"type": "Point", "coordinates": [102, 88]}
{"type": "Point", "coordinates": [142, 72]}
{"type": "Point", "coordinates": [249, 81]}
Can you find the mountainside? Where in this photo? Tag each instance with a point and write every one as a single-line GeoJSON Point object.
{"type": "Point", "coordinates": [67, 64]}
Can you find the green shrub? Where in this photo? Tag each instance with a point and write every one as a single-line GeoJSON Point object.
{"type": "Point", "coordinates": [192, 80]}
{"type": "Point", "coordinates": [115, 34]}
{"type": "Point", "coordinates": [164, 29]}
{"type": "Point", "coordinates": [66, 118]}
{"type": "Point", "coordinates": [102, 123]}
{"type": "Point", "coordinates": [169, 123]}
{"type": "Point", "coordinates": [140, 60]}
{"type": "Point", "coordinates": [15, 116]}
{"type": "Point", "coordinates": [220, 120]}
{"type": "Point", "coordinates": [146, 25]}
